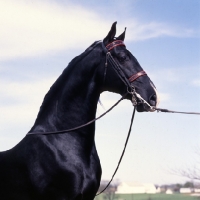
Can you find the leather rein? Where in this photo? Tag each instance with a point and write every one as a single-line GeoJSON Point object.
{"type": "Point", "coordinates": [116, 66]}
{"type": "Point", "coordinates": [130, 88]}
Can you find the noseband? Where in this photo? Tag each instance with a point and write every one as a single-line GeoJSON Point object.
{"type": "Point", "coordinates": [118, 69]}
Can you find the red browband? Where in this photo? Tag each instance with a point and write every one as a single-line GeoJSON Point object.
{"type": "Point", "coordinates": [135, 76]}
{"type": "Point", "coordinates": [114, 44]}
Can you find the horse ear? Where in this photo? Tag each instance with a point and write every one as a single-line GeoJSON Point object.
{"type": "Point", "coordinates": [110, 37]}
{"type": "Point", "coordinates": [122, 36]}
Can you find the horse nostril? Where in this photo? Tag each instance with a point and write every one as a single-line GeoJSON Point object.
{"type": "Point", "coordinates": [153, 100]}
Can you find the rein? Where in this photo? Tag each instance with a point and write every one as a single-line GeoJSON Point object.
{"type": "Point", "coordinates": [179, 112]}
{"type": "Point", "coordinates": [81, 126]}
{"type": "Point", "coordinates": [135, 96]}
{"type": "Point", "coordinates": [130, 90]}
{"type": "Point", "coordinates": [119, 162]}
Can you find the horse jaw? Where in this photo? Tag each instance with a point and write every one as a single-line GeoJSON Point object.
{"type": "Point", "coordinates": [157, 95]}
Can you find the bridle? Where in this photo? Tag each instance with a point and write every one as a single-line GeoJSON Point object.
{"type": "Point", "coordinates": [130, 90]}
{"type": "Point", "coordinates": [136, 98]}
{"type": "Point", "coordinates": [118, 69]}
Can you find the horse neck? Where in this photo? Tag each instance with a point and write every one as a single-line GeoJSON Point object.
{"type": "Point", "coordinates": [71, 101]}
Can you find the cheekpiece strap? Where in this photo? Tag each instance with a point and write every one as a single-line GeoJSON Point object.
{"type": "Point", "coordinates": [135, 76]}
{"type": "Point", "coordinates": [115, 44]}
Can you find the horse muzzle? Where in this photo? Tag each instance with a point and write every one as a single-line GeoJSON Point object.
{"type": "Point", "coordinates": [146, 106]}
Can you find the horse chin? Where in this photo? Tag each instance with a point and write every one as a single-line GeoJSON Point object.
{"type": "Point", "coordinates": [143, 108]}
{"type": "Point", "coordinates": [140, 108]}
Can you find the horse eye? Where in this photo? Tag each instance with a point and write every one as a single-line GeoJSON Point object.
{"type": "Point", "coordinates": [122, 58]}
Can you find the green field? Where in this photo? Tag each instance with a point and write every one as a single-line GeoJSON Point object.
{"type": "Point", "coordinates": [149, 197]}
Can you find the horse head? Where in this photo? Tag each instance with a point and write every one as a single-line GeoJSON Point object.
{"type": "Point", "coordinates": [123, 73]}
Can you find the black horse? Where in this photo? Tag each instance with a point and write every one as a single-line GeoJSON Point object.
{"type": "Point", "coordinates": [66, 166]}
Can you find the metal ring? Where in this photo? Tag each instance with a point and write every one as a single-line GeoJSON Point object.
{"type": "Point", "coordinates": [132, 91]}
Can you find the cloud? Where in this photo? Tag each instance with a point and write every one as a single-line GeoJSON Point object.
{"type": "Point", "coordinates": [25, 92]}
{"type": "Point", "coordinates": [22, 111]}
{"type": "Point", "coordinates": [108, 99]}
{"type": "Point", "coordinates": [164, 97]}
{"type": "Point", "coordinates": [166, 76]}
{"type": "Point", "coordinates": [32, 28]}
{"type": "Point", "coordinates": [176, 75]}
{"type": "Point", "coordinates": [7, 143]}
{"type": "Point", "coordinates": [196, 82]}
{"type": "Point", "coordinates": [144, 31]}
{"type": "Point", "coordinates": [19, 105]}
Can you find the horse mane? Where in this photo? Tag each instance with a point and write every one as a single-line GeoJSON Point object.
{"type": "Point", "coordinates": [82, 55]}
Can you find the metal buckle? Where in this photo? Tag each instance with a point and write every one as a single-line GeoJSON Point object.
{"type": "Point", "coordinates": [133, 93]}
{"type": "Point", "coordinates": [134, 100]}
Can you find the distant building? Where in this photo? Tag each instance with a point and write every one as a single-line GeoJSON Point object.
{"type": "Point", "coordinates": [158, 190]}
{"type": "Point", "coordinates": [150, 188]}
{"type": "Point", "coordinates": [185, 190]}
{"type": "Point", "coordinates": [136, 188]}
{"type": "Point", "coordinates": [197, 190]}
{"type": "Point", "coordinates": [169, 191]}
